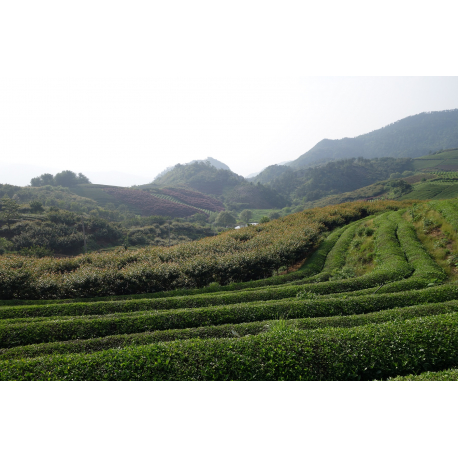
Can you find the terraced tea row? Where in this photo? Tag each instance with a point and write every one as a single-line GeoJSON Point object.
{"type": "Point", "coordinates": [251, 253]}
{"type": "Point", "coordinates": [360, 353]}
{"type": "Point", "coordinates": [394, 320]}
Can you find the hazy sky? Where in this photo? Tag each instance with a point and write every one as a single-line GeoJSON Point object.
{"type": "Point", "coordinates": [122, 93]}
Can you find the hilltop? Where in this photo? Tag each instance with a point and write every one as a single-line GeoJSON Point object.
{"type": "Point", "coordinates": [214, 162]}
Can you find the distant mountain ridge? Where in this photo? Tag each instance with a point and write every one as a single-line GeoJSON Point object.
{"type": "Point", "coordinates": [413, 136]}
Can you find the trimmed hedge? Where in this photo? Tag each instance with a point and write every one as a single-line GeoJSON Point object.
{"type": "Point", "coordinates": [362, 353]}
{"type": "Point", "coordinates": [391, 266]}
{"type": "Point", "coordinates": [222, 331]}
{"type": "Point", "coordinates": [336, 257]}
{"type": "Point", "coordinates": [449, 375]}
{"type": "Point", "coordinates": [53, 330]}
{"type": "Point", "coordinates": [312, 266]}
{"type": "Point", "coordinates": [448, 209]}
{"type": "Point", "coordinates": [414, 250]}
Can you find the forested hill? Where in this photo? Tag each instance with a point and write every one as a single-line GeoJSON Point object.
{"type": "Point", "coordinates": [336, 177]}
{"type": "Point", "coordinates": [200, 176]}
{"type": "Point", "coordinates": [413, 136]}
{"type": "Point", "coordinates": [214, 162]}
{"type": "Point", "coordinates": [233, 189]}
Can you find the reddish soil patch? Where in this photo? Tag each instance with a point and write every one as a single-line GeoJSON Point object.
{"type": "Point", "coordinates": [293, 268]}
{"type": "Point", "coordinates": [416, 178]}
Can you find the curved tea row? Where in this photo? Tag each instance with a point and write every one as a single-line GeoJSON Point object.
{"type": "Point", "coordinates": [395, 320]}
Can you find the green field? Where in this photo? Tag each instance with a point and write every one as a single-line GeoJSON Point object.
{"type": "Point", "coordinates": [438, 161]}
{"type": "Point", "coordinates": [376, 299]}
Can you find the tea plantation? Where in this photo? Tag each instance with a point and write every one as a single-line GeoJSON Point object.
{"type": "Point", "coordinates": [375, 299]}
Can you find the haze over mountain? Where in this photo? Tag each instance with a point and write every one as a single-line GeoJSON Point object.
{"type": "Point", "coordinates": [214, 162]}
{"type": "Point", "coordinates": [413, 136]}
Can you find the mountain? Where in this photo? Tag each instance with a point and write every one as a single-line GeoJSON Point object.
{"type": "Point", "coordinates": [214, 162]}
{"type": "Point", "coordinates": [269, 173]}
{"type": "Point", "coordinates": [434, 176]}
{"type": "Point", "coordinates": [312, 183]}
{"type": "Point", "coordinates": [223, 184]}
{"type": "Point", "coordinates": [413, 136]}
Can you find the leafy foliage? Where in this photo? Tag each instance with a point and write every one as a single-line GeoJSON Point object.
{"type": "Point", "coordinates": [65, 178]}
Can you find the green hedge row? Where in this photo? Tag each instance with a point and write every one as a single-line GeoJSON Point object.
{"type": "Point", "coordinates": [312, 266]}
{"type": "Point", "coordinates": [362, 353]}
{"type": "Point", "coordinates": [391, 271]}
{"type": "Point", "coordinates": [448, 209]}
{"type": "Point", "coordinates": [224, 331]}
{"type": "Point", "coordinates": [415, 252]}
{"type": "Point", "coordinates": [336, 257]}
{"type": "Point", "coordinates": [388, 251]}
{"type": "Point", "coordinates": [449, 375]}
{"type": "Point", "coordinates": [425, 268]}
{"type": "Point", "coordinates": [53, 330]}
{"type": "Point", "coordinates": [392, 266]}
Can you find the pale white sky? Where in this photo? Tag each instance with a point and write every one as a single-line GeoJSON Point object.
{"type": "Point", "coordinates": [120, 91]}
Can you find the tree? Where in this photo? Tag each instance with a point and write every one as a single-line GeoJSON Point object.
{"type": "Point", "coordinates": [46, 179]}
{"type": "Point", "coordinates": [66, 178]}
{"type": "Point", "coordinates": [274, 215]}
{"type": "Point", "coordinates": [246, 215]}
{"type": "Point", "coordinates": [5, 245]}
{"type": "Point", "coordinates": [199, 218]}
{"type": "Point", "coordinates": [42, 180]}
{"type": "Point", "coordinates": [9, 210]}
{"type": "Point", "coordinates": [35, 182]}
{"type": "Point", "coordinates": [83, 179]}
{"type": "Point", "coordinates": [36, 206]}
{"type": "Point", "coordinates": [264, 219]}
{"type": "Point", "coordinates": [225, 219]}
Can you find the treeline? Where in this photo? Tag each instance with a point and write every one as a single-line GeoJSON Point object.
{"type": "Point", "coordinates": [65, 178]}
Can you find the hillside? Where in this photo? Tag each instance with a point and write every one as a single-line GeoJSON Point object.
{"type": "Point", "coordinates": [309, 184]}
{"type": "Point", "coordinates": [413, 136]}
{"type": "Point", "coordinates": [378, 281]}
{"type": "Point", "coordinates": [201, 177]}
{"type": "Point", "coordinates": [436, 177]}
{"type": "Point", "coordinates": [233, 189]}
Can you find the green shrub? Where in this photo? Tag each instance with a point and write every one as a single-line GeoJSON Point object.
{"type": "Point", "coordinates": [224, 331]}
{"type": "Point", "coordinates": [80, 327]}
{"type": "Point", "coordinates": [363, 353]}
{"type": "Point", "coordinates": [450, 375]}
{"type": "Point", "coordinates": [36, 251]}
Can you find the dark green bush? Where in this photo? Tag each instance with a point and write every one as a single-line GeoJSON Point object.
{"type": "Point", "coordinates": [77, 327]}
{"type": "Point", "coordinates": [362, 353]}
{"type": "Point", "coordinates": [223, 331]}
